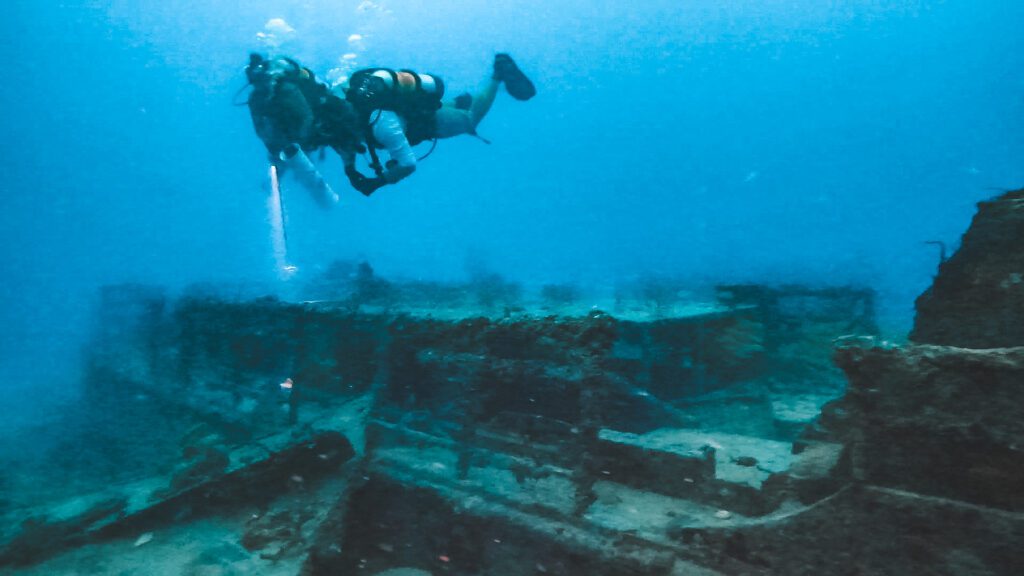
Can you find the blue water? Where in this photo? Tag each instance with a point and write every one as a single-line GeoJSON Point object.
{"type": "Point", "coordinates": [775, 141]}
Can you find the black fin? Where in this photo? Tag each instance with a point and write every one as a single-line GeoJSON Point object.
{"type": "Point", "coordinates": [518, 85]}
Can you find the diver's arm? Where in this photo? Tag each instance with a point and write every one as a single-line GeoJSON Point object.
{"type": "Point", "coordinates": [348, 158]}
{"type": "Point", "coordinates": [395, 171]}
{"type": "Point", "coordinates": [389, 132]}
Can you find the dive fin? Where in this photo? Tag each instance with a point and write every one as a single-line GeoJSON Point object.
{"type": "Point", "coordinates": [516, 83]}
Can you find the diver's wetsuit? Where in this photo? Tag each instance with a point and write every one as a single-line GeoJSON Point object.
{"type": "Point", "coordinates": [281, 117]}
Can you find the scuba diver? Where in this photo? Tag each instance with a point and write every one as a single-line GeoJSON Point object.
{"type": "Point", "coordinates": [401, 108]}
{"type": "Point", "coordinates": [294, 113]}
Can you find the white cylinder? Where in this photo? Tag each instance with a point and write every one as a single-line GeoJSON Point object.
{"type": "Point", "coordinates": [308, 176]}
{"type": "Point", "coordinates": [427, 83]}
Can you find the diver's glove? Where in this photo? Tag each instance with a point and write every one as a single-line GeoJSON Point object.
{"type": "Point", "coordinates": [364, 185]}
{"type": "Point", "coordinates": [370, 185]}
{"type": "Point", "coordinates": [394, 171]}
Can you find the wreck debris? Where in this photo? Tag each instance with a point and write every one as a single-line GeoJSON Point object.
{"type": "Point", "coordinates": [977, 299]}
{"type": "Point", "coordinates": [658, 439]}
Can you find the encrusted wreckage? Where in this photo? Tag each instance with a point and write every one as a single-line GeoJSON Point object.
{"type": "Point", "coordinates": [421, 429]}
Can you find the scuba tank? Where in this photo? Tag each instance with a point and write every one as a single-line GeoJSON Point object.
{"type": "Point", "coordinates": [402, 91]}
{"type": "Point", "coordinates": [306, 173]}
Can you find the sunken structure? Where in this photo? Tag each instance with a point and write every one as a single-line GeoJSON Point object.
{"type": "Point", "coordinates": [401, 428]}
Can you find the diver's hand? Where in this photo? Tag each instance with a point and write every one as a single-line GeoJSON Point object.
{"type": "Point", "coordinates": [355, 178]}
{"type": "Point", "coordinates": [364, 185]}
{"type": "Point", "coordinates": [370, 185]}
{"type": "Point", "coordinates": [275, 161]}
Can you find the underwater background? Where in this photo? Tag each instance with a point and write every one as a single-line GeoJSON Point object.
{"type": "Point", "coordinates": [772, 141]}
{"type": "Point", "coordinates": [656, 320]}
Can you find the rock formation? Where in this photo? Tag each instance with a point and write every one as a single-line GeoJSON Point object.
{"type": "Point", "coordinates": [977, 299]}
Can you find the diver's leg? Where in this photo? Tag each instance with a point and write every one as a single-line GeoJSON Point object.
{"type": "Point", "coordinates": [482, 101]}
{"type": "Point", "coordinates": [452, 121]}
